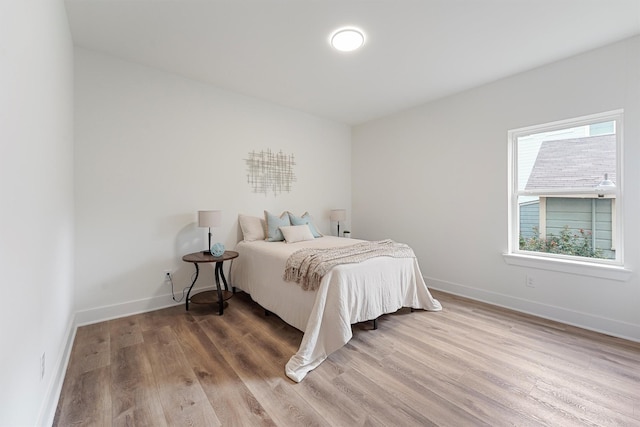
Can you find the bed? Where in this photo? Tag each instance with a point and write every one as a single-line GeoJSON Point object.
{"type": "Point", "coordinates": [347, 294]}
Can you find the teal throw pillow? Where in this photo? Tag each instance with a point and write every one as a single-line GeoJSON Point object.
{"type": "Point", "coordinates": [273, 226]}
{"type": "Point", "coordinates": [305, 219]}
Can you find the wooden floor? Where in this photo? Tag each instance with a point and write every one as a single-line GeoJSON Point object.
{"type": "Point", "coordinates": [470, 365]}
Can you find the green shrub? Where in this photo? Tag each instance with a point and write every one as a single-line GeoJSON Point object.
{"type": "Point", "coordinates": [567, 243]}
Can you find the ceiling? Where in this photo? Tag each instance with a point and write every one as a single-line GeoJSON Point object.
{"type": "Point", "coordinates": [415, 50]}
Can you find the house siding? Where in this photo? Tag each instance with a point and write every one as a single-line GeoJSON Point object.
{"type": "Point", "coordinates": [529, 218]}
{"type": "Point", "coordinates": [577, 214]}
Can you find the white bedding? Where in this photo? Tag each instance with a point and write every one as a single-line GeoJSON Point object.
{"type": "Point", "coordinates": [348, 294]}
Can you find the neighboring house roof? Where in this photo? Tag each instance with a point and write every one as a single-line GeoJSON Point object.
{"type": "Point", "coordinates": [591, 157]}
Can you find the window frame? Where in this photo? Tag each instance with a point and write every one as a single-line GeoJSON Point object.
{"type": "Point", "coordinates": [559, 261]}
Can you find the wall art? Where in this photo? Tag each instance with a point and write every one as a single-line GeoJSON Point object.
{"type": "Point", "coordinates": [270, 172]}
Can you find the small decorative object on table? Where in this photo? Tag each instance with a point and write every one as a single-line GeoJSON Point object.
{"type": "Point", "coordinates": [346, 233]}
{"type": "Point", "coordinates": [217, 249]}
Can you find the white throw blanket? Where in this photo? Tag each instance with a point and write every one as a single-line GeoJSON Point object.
{"type": "Point", "coordinates": [308, 266]}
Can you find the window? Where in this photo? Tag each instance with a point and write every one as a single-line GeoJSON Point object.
{"type": "Point", "coordinates": [565, 189]}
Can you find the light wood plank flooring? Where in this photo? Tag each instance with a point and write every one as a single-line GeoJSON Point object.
{"type": "Point", "coordinates": [470, 365]}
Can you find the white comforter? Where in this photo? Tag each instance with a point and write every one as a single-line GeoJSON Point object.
{"type": "Point", "coordinates": [348, 294]}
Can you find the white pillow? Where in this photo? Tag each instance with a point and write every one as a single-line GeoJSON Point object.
{"type": "Point", "coordinates": [252, 227]}
{"type": "Point", "coordinates": [296, 233]}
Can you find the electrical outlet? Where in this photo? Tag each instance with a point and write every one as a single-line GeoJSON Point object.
{"type": "Point", "coordinates": [42, 359]}
{"type": "Point", "coordinates": [529, 281]}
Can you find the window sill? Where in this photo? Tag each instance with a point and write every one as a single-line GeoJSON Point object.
{"type": "Point", "coordinates": [568, 266]}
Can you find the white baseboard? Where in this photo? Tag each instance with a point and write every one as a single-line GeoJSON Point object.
{"type": "Point", "coordinates": [583, 320]}
{"type": "Point", "coordinates": [108, 312]}
{"type": "Point", "coordinates": [50, 402]}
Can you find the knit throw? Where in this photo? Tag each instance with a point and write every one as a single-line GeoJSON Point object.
{"type": "Point", "coordinates": [307, 267]}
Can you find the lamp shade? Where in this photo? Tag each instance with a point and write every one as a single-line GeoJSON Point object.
{"type": "Point", "coordinates": [338, 215]}
{"type": "Point", "coordinates": [209, 218]}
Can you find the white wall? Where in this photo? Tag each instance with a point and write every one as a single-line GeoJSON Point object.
{"type": "Point", "coordinates": [441, 169]}
{"type": "Point", "coordinates": [151, 149]}
{"type": "Point", "coordinates": [36, 215]}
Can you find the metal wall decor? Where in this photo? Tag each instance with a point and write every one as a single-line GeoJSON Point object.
{"type": "Point", "coordinates": [270, 172]}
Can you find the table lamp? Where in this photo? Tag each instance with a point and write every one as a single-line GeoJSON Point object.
{"type": "Point", "coordinates": [209, 219]}
{"type": "Point", "coordinates": [338, 215]}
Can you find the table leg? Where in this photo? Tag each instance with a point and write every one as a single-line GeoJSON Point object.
{"type": "Point", "coordinates": [218, 272]}
{"type": "Point", "coordinates": [224, 280]}
{"type": "Point", "coordinates": [192, 283]}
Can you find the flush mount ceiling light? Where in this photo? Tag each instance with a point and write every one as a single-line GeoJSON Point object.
{"type": "Point", "coordinates": [347, 39]}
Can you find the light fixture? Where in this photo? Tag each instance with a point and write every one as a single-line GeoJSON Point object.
{"type": "Point", "coordinates": [338, 215]}
{"type": "Point", "coordinates": [209, 219]}
{"type": "Point", "coordinates": [347, 39]}
{"type": "Point", "coordinates": [605, 186]}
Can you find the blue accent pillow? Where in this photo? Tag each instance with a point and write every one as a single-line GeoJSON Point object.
{"type": "Point", "coordinates": [305, 219]}
{"type": "Point", "coordinates": [273, 226]}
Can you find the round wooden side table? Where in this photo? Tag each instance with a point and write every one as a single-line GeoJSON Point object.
{"type": "Point", "coordinates": [219, 296]}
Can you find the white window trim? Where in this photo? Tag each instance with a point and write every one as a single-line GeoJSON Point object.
{"type": "Point", "coordinates": [610, 269]}
{"type": "Point", "coordinates": [570, 266]}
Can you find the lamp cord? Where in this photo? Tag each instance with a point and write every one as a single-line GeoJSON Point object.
{"type": "Point", "coordinates": [173, 295]}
